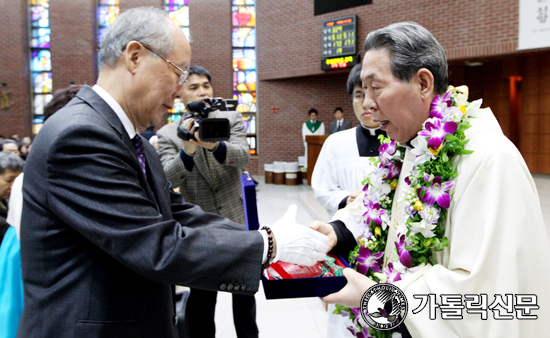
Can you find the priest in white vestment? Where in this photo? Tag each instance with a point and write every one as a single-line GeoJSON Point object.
{"type": "Point", "coordinates": [344, 162]}
{"type": "Point", "coordinates": [340, 169]}
{"type": "Point", "coordinates": [497, 239]}
{"type": "Point", "coordinates": [312, 127]}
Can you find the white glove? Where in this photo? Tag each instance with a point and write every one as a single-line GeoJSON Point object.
{"type": "Point", "coordinates": [297, 243]}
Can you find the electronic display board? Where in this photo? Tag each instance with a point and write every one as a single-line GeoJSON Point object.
{"type": "Point", "coordinates": [339, 62]}
{"type": "Point", "coordinates": [339, 41]}
{"type": "Point", "coordinates": [326, 6]}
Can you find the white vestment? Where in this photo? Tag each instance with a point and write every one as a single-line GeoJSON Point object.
{"type": "Point", "coordinates": [306, 132]}
{"type": "Point", "coordinates": [339, 170]}
{"type": "Point", "coordinates": [497, 241]}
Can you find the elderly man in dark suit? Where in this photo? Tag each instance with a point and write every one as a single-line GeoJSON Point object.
{"type": "Point", "coordinates": [208, 175]}
{"type": "Point", "coordinates": [103, 236]}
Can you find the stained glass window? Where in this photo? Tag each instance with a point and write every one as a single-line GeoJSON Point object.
{"type": "Point", "coordinates": [243, 14]}
{"type": "Point", "coordinates": [107, 11]}
{"type": "Point", "coordinates": [178, 11]}
{"type": "Point", "coordinates": [41, 60]}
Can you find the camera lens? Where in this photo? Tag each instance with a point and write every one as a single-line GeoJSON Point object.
{"type": "Point", "coordinates": [211, 130]}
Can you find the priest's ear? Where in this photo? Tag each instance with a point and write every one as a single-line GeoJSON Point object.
{"type": "Point", "coordinates": [426, 83]}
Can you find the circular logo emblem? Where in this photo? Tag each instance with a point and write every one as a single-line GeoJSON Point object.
{"type": "Point", "coordinates": [384, 306]}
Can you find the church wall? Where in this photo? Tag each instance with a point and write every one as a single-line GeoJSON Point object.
{"type": "Point", "coordinates": [73, 42]}
{"type": "Point", "coordinates": [289, 55]}
{"type": "Point", "coordinates": [14, 68]}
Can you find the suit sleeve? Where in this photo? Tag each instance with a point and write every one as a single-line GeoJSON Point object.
{"type": "Point", "coordinates": [171, 157]}
{"type": "Point", "coordinates": [93, 186]}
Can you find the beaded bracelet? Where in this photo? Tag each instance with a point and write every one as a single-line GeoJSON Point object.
{"type": "Point", "coordinates": [270, 244]}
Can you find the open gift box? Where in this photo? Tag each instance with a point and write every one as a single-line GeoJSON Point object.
{"type": "Point", "coordinates": [295, 287]}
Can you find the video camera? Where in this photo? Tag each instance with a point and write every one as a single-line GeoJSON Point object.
{"type": "Point", "coordinates": [210, 130]}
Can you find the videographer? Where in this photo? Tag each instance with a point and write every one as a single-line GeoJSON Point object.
{"type": "Point", "coordinates": [208, 175]}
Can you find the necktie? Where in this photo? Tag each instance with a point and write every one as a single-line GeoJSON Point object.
{"type": "Point", "coordinates": [138, 144]}
{"type": "Point", "coordinates": [338, 126]}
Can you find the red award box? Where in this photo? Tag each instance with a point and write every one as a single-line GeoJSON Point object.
{"type": "Point", "coordinates": [288, 287]}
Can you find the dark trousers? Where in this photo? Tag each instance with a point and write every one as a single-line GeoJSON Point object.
{"type": "Point", "coordinates": [199, 315]}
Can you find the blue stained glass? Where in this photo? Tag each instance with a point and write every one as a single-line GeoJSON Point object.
{"type": "Point", "coordinates": [41, 60]}
{"type": "Point", "coordinates": [244, 59]}
{"type": "Point", "coordinates": [40, 101]}
{"type": "Point", "coordinates": [244, 2]}
{"type": "Point", "coordinates": [246, 102]}
{"type": "Point", "coordinates": [106, 15]}
{"type": "Point", "coordinates": [179, 15]}
{"type": "Point", "coordinates": [42, 82]}
{"type": "Point", "coordinates": [38, 119]}
{"type": "Point", "coordinates": [39, 17]}
{"type": "Point", "coordinates": [108, 2]}
{"type": "Point", "coordinates": [250, 124]}
{"type": "Point", "coordinates": [177, 2]}
{"type": "Point", "coordinates": [244, 37]}
{"type": "Point", "coordinates": [40, 37]}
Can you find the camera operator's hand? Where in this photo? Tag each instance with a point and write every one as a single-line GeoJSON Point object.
{"type": "Point", "coordinates": [296, 243]}
{"type": "Point", "coordinates": [207, 145]}
{"type": "Point", "coordinates": [190, 146]}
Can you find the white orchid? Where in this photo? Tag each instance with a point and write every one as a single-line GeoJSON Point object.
{"type": "Point", "coordinates": [421, 150]}
{"type": "Point", "coordinates": [423, 227]}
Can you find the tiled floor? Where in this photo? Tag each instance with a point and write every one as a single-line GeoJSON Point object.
{"type": "Point", "coordinates": [306, 317]}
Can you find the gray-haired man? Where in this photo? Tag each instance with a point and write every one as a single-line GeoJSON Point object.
{"type": "Point", "coordinates": [103, 236]}
{"type": "Point", "coordinates": [494, 223]}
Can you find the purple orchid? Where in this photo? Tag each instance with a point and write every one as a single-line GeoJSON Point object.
{"type": "Point", "coordinates": [440, 105]}
{"type": "Point", "coordinates": [394, 169]}
{"type": "Point", "coordinates": [374, 213]}
{"type": "Point", "coordinates": [366, 261]}
{"type": "Point", "coordinates": [408, 180]}
{"type": "Point", "coordinates": [393, 275]}
{"type": "Point", "coordinates": [363, 333]}
{"type": "Point", "coordinates": [387, 148]}
{"type": "Point", "coordinates": [410, 210]}
{"type": "Point", "coordinates": [436, 132]}
{"type": "Point", "coordinates": [436, 193]}
{"type": "Point", "coordinates": [404, 255]}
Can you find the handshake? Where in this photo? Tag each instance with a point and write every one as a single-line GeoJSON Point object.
{"type": "Point", "coordinates": [298, 244]}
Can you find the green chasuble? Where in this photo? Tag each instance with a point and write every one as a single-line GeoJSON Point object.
{"type": "Point", "coordinates": [313, 126]}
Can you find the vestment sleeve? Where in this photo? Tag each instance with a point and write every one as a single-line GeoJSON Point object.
{"type": "Point", "coordinates": [324, 179]}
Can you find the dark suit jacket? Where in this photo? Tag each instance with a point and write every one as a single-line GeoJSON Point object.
{"type": "Point", "coordinates": [101, 245]}
{"type": "Point", "coordinates": [334, 126]}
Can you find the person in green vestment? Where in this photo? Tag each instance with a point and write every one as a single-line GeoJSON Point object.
{"type": "Point", "coordinates": [312, 127]}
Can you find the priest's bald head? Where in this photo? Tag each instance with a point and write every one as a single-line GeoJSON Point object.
{"type": "Point", "coordinates": [404, 68]}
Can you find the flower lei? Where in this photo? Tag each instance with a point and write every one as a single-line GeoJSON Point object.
{"type": "Point", "coordinates": [421, 220]}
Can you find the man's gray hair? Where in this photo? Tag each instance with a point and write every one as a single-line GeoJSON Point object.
{"type": "Point", "coordinates": [148, 25]}
{"type": "Point", "coordinates": [411, 48]}
{"type": "Point", "coordinates": [10, 161]}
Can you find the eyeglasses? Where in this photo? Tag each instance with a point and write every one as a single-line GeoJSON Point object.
{"type": "Point", "coordinates": [358, 97]}
{"type": "Point", "coordinates": [182, 78]}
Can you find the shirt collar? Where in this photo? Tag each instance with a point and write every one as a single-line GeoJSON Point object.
{"type": "Point", "coordinates": [128, 126]}
{"type": "Point", "coordinates": [372, 131]}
